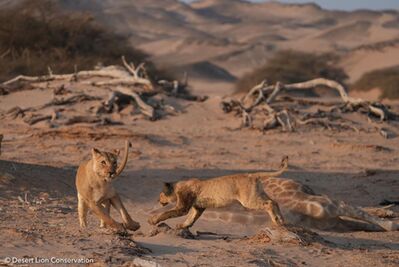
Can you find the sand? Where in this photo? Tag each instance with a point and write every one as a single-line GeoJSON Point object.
{"type": "Point", "coordinates": [38, 206]}
{"type": "Point", "coordinates": [39, 164]}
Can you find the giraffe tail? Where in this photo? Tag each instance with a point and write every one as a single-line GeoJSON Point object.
{"type": "Point", "coordinates": [281, 170]}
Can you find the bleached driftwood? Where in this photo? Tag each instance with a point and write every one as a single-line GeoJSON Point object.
{"type": "Point", "coordinates": [29, 113]}
{"type": "Point", "coordinates": [265, 95]}
{"type": "Point", "coordinates": [16, 112]}
{"type": "Point", "coordinates": [61, 90]}
{"type": "Point", "coordinates": [37, 118]}
{"type": "Point", "coordinates": [180, 89]}
{"type": "Point", "coordinates": [137, 77]}
{"type": "Point", "coordinates": [106, 73]}
{"type": "Point", "coordinates": [130, 76]}
{"type": "Point", "coordinates": [146, 109]}
{"type": "Point", "coordinates": [87, 119]}
{"type": "Point", "coordinates": [70, 100]}
{"type": "Point", "coordinates": [376, 109]}
{"type": "Point", "coordinates": [130, 84]}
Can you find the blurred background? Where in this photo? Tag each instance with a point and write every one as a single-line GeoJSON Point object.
{"type": "Point", "coordinates": [224, 45]}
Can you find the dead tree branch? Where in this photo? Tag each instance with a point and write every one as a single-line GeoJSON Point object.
{"type": "Point", "coordinates": [263, 96]}
{"type": "Point", "coordinates": [122, 97]}
{"type": "Point", "coordinates": [36, 118]}
{"type": "Point", "coordinates": [180, 89]}
{"type": "Point", "coordinates": [88, 119]}
{"type": "Point", "coordinates": [129, 84]}
{"type": "Point", "coordinates": [127, 76]}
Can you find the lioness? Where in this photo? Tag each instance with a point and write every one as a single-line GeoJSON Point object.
{"type": "Point", "coordinates": [194, 196]}
{"type": "Point", "coordinates": [95, 190]}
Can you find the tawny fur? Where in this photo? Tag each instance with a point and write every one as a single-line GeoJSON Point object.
{"type": "Point", "coordinates": [301, 199]}
{"type": "Point", "coordinates": [96, 192]}
{"type": "Point", "coordinates": [194, 196]}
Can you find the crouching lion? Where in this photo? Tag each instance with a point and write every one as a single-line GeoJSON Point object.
{"type": "Point", "coordinates": [193, 196]}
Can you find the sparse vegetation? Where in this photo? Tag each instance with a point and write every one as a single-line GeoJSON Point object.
{"type": "Point", "coordinates": [292, 66]}
{"type": "Point", "coordinates": [38, 34]}
{"type": "Point", "coordinates": [386, 79]}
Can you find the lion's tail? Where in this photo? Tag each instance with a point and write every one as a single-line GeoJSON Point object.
{"type": "Point", "coordinates": [124, 160]}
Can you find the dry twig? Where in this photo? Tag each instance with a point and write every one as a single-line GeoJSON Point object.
{"type": "Point", "coordinates": [264, 96]}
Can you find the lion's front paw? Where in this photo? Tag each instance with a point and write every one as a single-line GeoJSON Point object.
{"type": "Point", "coordinates": [118, 227]}
{"type": "Point", "coordinates": [153, 220]}
{"type": "Point", "coordinates": [180, 226]}
{"type": "Point", "coordinates": [132, 225]}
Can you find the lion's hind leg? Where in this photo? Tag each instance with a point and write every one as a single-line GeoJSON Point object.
{"type": "Point", "coordinates": [268, 205]}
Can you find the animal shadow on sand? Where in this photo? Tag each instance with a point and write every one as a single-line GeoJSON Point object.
{"type": "Point", "coordinates": [17, 178]}
{"type": "Point", "coordinates": [349, 187]}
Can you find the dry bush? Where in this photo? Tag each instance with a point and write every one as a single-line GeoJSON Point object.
{"type": "Point", "coordinates": [386, 79]}
{"type": "Point", "coordinates": [289, 66]}
{"type": "Point", "coordinates": [37, 34]}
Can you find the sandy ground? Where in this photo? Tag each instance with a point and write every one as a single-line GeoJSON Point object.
{"type": "Point", "coordinates": [38, 206]}
{"type": "Point", "coordinates": [38, 210]}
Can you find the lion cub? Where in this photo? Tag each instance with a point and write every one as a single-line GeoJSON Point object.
{"type": "Point", "coordinates": [194, 196]}
{"type": "Point", "coordinates": [95, 190]}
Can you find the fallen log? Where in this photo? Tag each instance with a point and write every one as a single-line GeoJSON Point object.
{"type": "Point", "coordinates": [129, 76]}
{"type": "Point", "coordinates": [31, 120]}
{"type": "Point", "coordinates": [87, 119]}
{"type": "Point", "coordinates": [376, 109]}
{"type": "Point", "coordinates": [180, 89]}
{"type": "Point", "coordinates": [70, 100]}
{"type": "Point", "coordinates": [145, 109]}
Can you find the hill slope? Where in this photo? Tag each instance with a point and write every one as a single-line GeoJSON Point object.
{"type": "Point", "coordinates": [238, 36]}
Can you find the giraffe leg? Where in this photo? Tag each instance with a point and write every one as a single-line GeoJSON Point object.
{"type": "Point", "coordinates": [352, 212]}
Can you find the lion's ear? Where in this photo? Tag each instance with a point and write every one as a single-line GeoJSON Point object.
{"type": "Point", "coordinates": [95, 152]}
{"type": "Point", "coordinates": [167, 188]}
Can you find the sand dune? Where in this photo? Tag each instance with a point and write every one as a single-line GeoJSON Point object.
{"type": "Point", "coordinates": [215, 31]}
